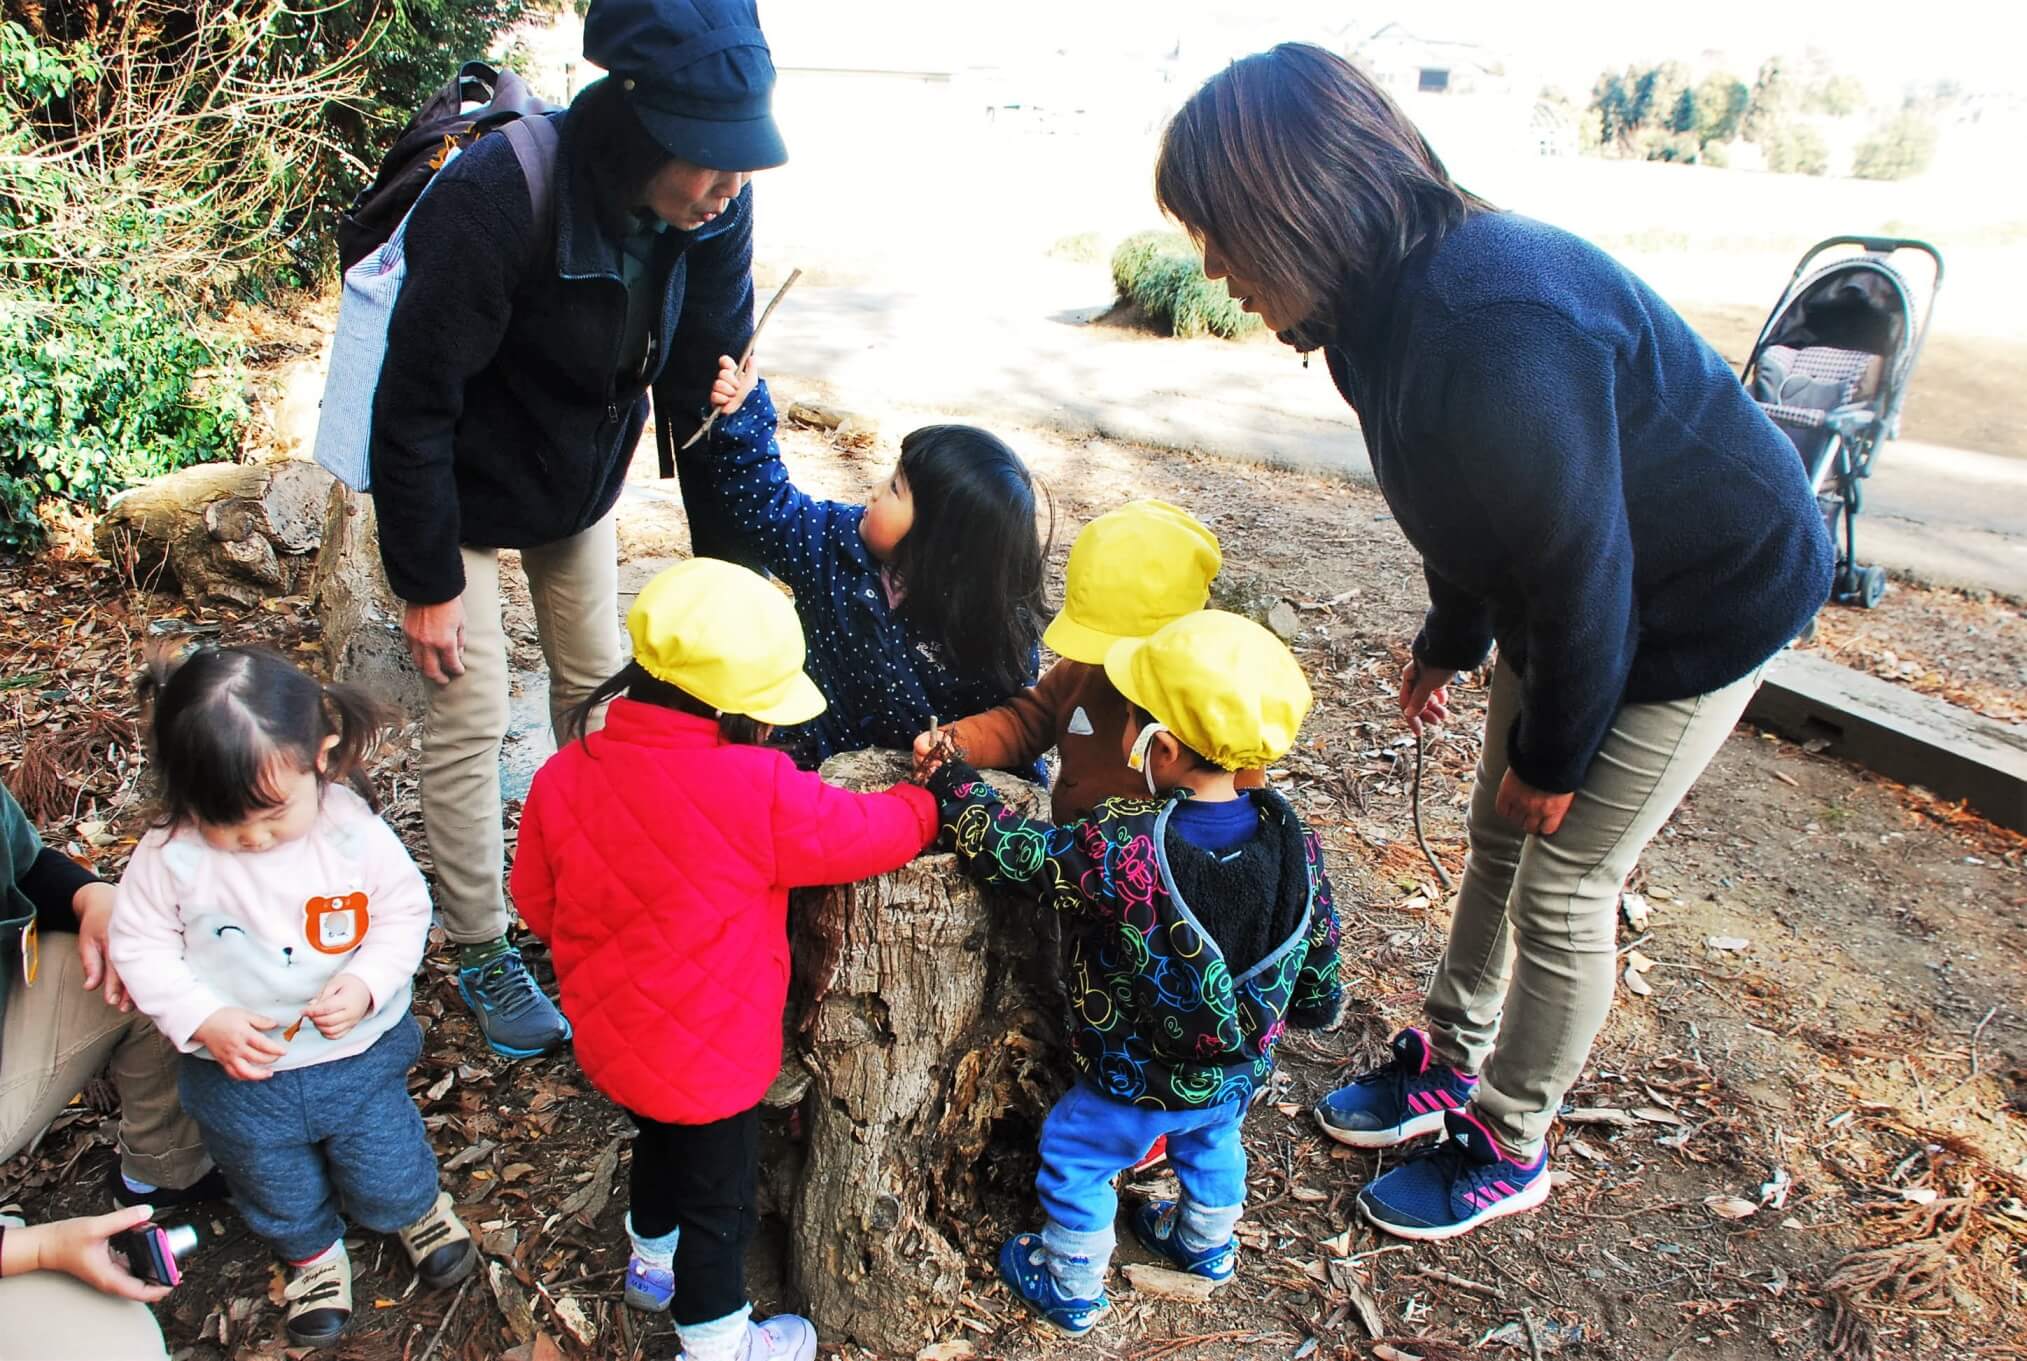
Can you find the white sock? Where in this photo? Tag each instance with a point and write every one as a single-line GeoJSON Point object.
{"type": "Point", "coordinates": [722, 1339]}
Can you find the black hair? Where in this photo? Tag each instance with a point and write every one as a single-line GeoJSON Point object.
{"type": "Point", "coordinates": [619, 153]}
{"type": "Point", "coordinates": [222, 718]}
{"type": "Point", "coordinates": [973, 564]}
{"type": "Point", "coordinates": [634, 681]}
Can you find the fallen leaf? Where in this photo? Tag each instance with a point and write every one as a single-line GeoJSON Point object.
{"type": "Point", "coordinates": [1308, 1195]}
{"type": "Point", "coordinates": [438, 1088]}
{"type": "Point", "coordinates": [1635, 909]}
{"type": "Point", "coordinates": [1599, 1115]}
{"type": "Point", "coordinates": [589, 1199]}
{"type": "Point", "coordinates": [1774, 1190]}
{"type": "Point", "coordinates": [1339, 1246]}
{"type": "Point", "coordinates": [1635, 984]}
{"type": "Point", "coordinates": [570, 1313]}
{"type": "Point", "coordinates": [1638, 961]}
{"type": "Point", "coordinates": [513, 1172]}
{"type": "Point", "coordinates": [1654, 1115]}
{"type": "Point", "coordinates": [1583, 1150]}
{"type": "Point", "coordinates": [1726, 942]}
{"type": "Point", "coordinates": [1920, 1195]}
{"type": "Point", "coordinates": [1730, 1207]}
{"type": "Point", "coordinates": [467, 1156]}
{"type": "Point", "coordinates": [1165, 1284]}
{"type": "Point", "coordinates": [513, 1301]}
{"type": "Point", "coordinates": [1287, 1108]}
{"type": "Point", "coordinates": [1383, 1352]}
{"type": "Point", "coordinates": [1316, 1272]}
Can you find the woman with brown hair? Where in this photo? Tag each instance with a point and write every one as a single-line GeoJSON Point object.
{"type": "Point", "coordinates": [1590, 488]}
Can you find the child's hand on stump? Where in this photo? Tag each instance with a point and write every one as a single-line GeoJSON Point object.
{"type": "Point", "coordinates": [238, 1039]}
{"type": "Point", "coordinates": [342, 1004]}
{"type": "Point", "coordinates": [932, 750]}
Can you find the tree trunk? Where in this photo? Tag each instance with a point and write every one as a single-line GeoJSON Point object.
{"type": "Point", "coordinates": [931, 1025]}
{"type": "Point", "coordinates": [222, 533]}
{"type": "Point", "coordinates": [363, 643]}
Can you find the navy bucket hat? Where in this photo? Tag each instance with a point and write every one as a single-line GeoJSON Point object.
{"type": "Point", "coordinates": [698, 75]}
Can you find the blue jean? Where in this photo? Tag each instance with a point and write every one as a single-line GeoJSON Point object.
{"type": "Point", "coordinates": [1089, 1139]}
{"type": "Point", "coordinates": [306, 1142]}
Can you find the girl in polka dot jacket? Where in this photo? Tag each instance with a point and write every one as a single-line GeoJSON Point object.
{"type": "Point", "coordinates": [925, 601]}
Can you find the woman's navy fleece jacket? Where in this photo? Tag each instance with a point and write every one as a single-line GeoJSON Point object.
{"type": "Point", "coordinates": [1586, 480]}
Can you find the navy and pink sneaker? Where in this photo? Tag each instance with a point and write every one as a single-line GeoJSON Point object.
{"type": "Point", "coordinates": [1403, 1100]}
{"type": "Point", "coordinates": [1454, 1187]}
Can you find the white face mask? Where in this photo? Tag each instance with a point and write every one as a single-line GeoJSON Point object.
{"type": "Point", "coordinates": [1137, 758]}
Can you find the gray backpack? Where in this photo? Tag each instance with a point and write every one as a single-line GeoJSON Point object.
{"type": "Point", "coordinates": [366, 305]}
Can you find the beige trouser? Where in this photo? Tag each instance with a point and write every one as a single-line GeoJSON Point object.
{"type": "Point", "coordinates": [1534, 925]}
{"type": "Point", "coordinates": [53, 1317]}
{"type": "Point", "coordinates": [574, 583]}
{"type": "Point", "coordinates": [57, 1036]}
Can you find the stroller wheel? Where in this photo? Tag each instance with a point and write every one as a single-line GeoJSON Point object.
{"type": "Point", "coordinates": [1871, 586]}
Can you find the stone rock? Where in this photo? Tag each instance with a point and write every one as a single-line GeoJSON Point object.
{"type": "Point", "coordinates": [1284, 621]}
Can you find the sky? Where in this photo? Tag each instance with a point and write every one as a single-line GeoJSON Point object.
{"type": "Point", "coordinates": [1979, 43]}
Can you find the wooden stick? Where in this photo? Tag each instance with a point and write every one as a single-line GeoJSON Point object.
{"type": "Point", "coordinates": [1462, 1283]}
{"type": "Point", "coordinates": [751, 341]}
{"type": "Point", "coordinates": [448, 1315]}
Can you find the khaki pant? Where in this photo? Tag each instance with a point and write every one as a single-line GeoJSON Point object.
{"type": "Point", "coordinates": [575, 587]}
{"type": "Point", "coordinates": [56, 1037]}
{"type": "Point", "coordinates": [53, 1317]}
{"type": "Point", "coordinates": [1527, 978]}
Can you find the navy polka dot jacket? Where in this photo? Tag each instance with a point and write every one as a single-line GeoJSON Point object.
{"type": "Point", "coordinates": [882, 678]}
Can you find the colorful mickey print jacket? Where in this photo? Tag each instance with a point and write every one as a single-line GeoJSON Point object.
{"type": "Point", "coordinates": [1160, 1019]}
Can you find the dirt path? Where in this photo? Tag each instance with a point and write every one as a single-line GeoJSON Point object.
{"type": "Point", "coordinates": [1834, 1047]}
{"type": "Point", "coordinates": [1031, 346]}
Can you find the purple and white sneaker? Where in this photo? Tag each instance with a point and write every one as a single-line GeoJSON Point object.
{"type": "Point", "coordinates": [648, 1286]}
{"type": "Point", "coordinates": [1454, 1187]}
{"type": "Point", "coordinates": [1402, 1100]}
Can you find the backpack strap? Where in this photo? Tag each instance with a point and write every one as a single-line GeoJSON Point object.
{"type": "Point", "coordinates": [533, 139]}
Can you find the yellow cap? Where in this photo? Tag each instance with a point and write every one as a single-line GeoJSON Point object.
{"type": "Point", "coordinates": [1131, 571]}
{"type": "Point", "coordinates": [719, 632]}
{"type": "Point", "coordinates": [1228, 689]}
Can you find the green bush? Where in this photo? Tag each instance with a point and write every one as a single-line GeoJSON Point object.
{"type": "Point", "coordinates": [102, 386]}
{"type": "Point", "coordinates": [1796, 149]}
{"type": "Point", "coordinates": [1164, 275]}
{"type": "Point", "coordinates": [1897, 149]}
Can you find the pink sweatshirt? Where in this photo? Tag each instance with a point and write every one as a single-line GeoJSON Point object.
{"type": "Point", "coordinates": [197, 929]}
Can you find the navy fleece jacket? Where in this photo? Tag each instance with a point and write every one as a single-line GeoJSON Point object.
{"type": "Point", "coordinates": [1586, 480]}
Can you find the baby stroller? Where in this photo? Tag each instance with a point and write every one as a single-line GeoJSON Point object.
{"type": "Point", "coordinates": [1831, 367]}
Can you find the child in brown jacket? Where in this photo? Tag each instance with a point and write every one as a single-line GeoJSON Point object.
{"type": "Point", "coordinates": [1131, 571]}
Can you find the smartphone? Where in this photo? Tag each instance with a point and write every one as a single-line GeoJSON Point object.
{"type": "Point", "coordinates": [153, 1252]}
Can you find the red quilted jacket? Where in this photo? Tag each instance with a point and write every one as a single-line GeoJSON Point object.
{"type": "Point", "coordinates": [656, 862]}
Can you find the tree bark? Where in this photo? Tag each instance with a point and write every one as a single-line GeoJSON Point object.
{"type": "Point", "coordinates": [931, 1025]}
{"type": "Point", "coordinates": [222, 533]}
{"type": "Point", "coordinates": [363, 642]}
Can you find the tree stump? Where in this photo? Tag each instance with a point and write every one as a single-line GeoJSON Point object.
{"type": "Point", "coordinates": [222, 533]}
{"type": "Point", "coordinates": [363, 642]}
{"type": "Point", "coordinates": [931, 1023]}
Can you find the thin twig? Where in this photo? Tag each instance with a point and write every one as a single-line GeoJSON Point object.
{"type": "Point", "coordinates": [1442, 875]}
{"type": "Point", "coordinates": [752, 340]}
{"type": "Point", "coordinates": [1533, 1333]}
{"type": "Point", "coordinates": [448, 1315]}
{"type": "Point", "coordinates": [1461, 1282]}
{"type": "Point", "coordinates": [1977, 1034]}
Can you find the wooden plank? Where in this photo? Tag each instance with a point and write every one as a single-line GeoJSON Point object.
{"type": "Point", "coordinates": [1910, 737]}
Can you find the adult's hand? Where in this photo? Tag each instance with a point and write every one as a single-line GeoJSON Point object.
{"type": "Point", "coordinates": [436, 638]}
{"type": "Point", "coordinates": [1425, 694]}
{"type": "Point", "coordinates": [78, 1248]}
{"type": "Point", "coordinates": [1528, 808]}
{"type": "Point", "coordinates": [94, 907]}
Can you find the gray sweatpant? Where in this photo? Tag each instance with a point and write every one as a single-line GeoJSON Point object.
{"type": "Point", "coordinates": [307, 1142]}
{"type": "Point", "coordinates": [1527, 978]}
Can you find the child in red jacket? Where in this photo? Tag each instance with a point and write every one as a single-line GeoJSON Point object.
{"type": "Point", "coordinates": [655, 858]}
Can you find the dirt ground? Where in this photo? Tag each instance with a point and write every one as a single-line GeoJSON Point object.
{"type": "Point", "coordinates": [1803, 1135]}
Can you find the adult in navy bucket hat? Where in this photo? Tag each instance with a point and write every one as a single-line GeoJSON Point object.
{"type": "Point", "coordinates": [546, 302]}
{"type": "Point", "coordinates": [698, 75]}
